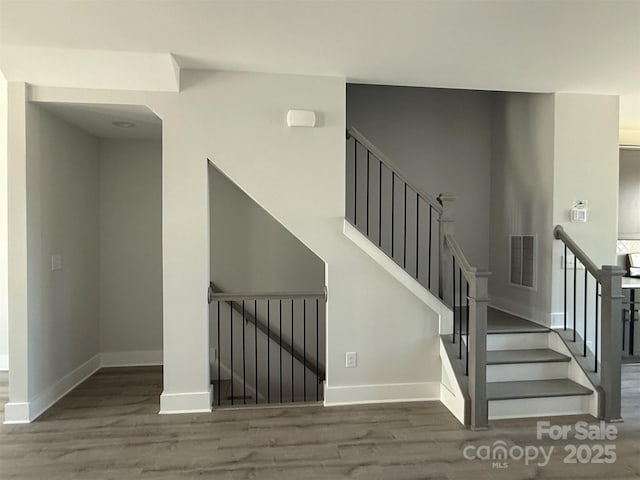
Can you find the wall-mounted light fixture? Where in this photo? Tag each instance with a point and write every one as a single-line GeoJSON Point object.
{"type": "Point", "coordinates": [301, 118]}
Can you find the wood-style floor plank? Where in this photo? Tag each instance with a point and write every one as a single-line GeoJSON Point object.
{"type": "Point", "coordinates": [108, 428]}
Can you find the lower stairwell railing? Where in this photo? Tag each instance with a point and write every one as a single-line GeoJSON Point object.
{"type": "Point", "coordinates": [269, 345]}
{"type": "Point", "coordinates": [592, 309]}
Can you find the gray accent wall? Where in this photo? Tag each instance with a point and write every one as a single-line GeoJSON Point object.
{"type": "Point", "coordinates": [629, 199]}
{"type": "Point", "coordinates": [521, 197]}
{"type": "Point", "coordinates": [62, 206]}
{"type": "Point", "coordinates": [441, 140]}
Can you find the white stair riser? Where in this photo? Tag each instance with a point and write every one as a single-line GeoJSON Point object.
{"type": "Point", "coordinates": [527, 371]}
{"type": "Point", "coordinates": [517, 341]}
{"type": "Point", "coordinates": [539, 407]}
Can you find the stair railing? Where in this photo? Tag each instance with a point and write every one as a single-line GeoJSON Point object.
{"type": "Point", "coordinates": [600, 323]}
{"type": "Point", "coordinates": [466, 289]}
{"type": "Point", "coordinates": [394, 214]}
{"type": "Point", "coordinates": [416, 231]}
{"type": "Point", "coordinates": [285, 320]}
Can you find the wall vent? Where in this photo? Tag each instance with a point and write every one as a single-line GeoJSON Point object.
{"type": "Point", "coordinates": [522, 262]}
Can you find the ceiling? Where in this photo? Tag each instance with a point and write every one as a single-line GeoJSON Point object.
{"type": "Point", "coordinates": [521, 45]}
{"type": "Point", "coordinates": [98, 119]}
{"type": "Point", "coordinates": [525, 45]}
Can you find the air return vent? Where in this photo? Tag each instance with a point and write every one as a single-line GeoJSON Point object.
{"type": "Point", "coordinates": [522, 263]}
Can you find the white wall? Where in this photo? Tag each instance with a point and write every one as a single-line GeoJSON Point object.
{"type": "Point", "coordinates": [522, 197]}
{"type": "Point", "coordinates": [441, 140]}
{"type": "Point", "coordinates": [4, 324]}
{"type": "Point", "coordinates": [237, 120]}
{"type": "Point", "coordinates": [62, 201]}
{"type": "Point", "coordinates": [586, 164]}
{"type": "Point", "coordinates": [131, 250]}
{"type": "Point", "coordinates": [251, 251]}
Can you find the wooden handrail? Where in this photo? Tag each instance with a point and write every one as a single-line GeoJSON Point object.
{"type": "Point", "coordinates": [231, 300]}
{"type": "Point", "coordinates": [224, 297]}
{"type": "Point", "coordinates": [461, 259]}
{"type": "Point", "coordinates": [559, 233]}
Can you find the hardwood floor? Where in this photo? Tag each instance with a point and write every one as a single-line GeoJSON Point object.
{"type": "Point", "coordinates": [108, 428]}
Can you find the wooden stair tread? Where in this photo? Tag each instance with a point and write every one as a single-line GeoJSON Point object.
{"type": "Point", "coordinates": [499, 322]}
{"type": "Point", "coordinates": [502, 322]}
{"type": "Point", "coordinates": [534, 355]}
{"type": "Point", "coordinates": [561, 387]}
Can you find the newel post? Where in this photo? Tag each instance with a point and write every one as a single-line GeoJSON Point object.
{"type": "Point", "coordinates": [611, 337]}
{"type": "Point", "coordinates": [478, 303]}
{"type": "Point", "coordinates": [445, 287]}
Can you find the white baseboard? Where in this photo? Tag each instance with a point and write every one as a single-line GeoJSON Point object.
{"type": "Point", "coordinates": [4, 363]}
{"type": "Point", "coordinates": [383, 393]}
{"type": "Point", "coordinates": [556, 320]}
{"type": "Point", "coordinates": [190, 402]}
{"type": "Point", "coordinates": [16, 412]}
{"type": "Point", "coordinates": [140, 358]}
{"type": "Point", "coordinates": [26, 412]}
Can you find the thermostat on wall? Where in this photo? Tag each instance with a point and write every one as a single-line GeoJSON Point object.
{"type": "Point", "coordinates": [579, 211]}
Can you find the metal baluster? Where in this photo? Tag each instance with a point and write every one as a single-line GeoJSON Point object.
{"type": "Point", "coordinates": [453, 292]}
{"type": "Point", "coordinates": [367, 219]}
{"type": "Point", "coordinates": [255, 342]}
{"type": "Point", "coordinates": [575, 296]}
{"type": "Point", "coordinates": [355, 182]}
{"type": "Point", "coordinates": [460, 309]}
{"type": "Point", "coordinates": [292, 343]}
{"type": "Point", "coordinates": [565, 287]}
{"type": "Point", "coordinates": [467, 322]}
{"type": "Point", "coordinates": [379, 204]}
{"type": "Point", "coordinates": [268, 351]}
{"type": "Point", "coordinates": [417, 231]}
{"type": "Point", "coordinates": [244, 354]}
{"type": "Point", "coordinates": [586, 278]}
{"type": "Point", "coordinates": [404, 230]}
{"type": "Point", "coordinates": [219, 383]}
{"type": "Point", "coordinates": [304, 347]}
{"type": "Point", "coordinates": [596, 331]}
{"type": "Point", "coordinates": [430, 224]}
{"type": "Point", "coordinates": [317, 351]}
{"type": "Point", "coordinates": [232, 370]}
{"type": "Point", "coordinates": [393, 213]}
{"type": "Point", "coordinates": [280, 339]}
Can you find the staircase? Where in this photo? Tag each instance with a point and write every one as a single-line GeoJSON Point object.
{"type": "Point", "coordinates": [495, 365]}
{"type": "Point", "coordinates": [525, 377]}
